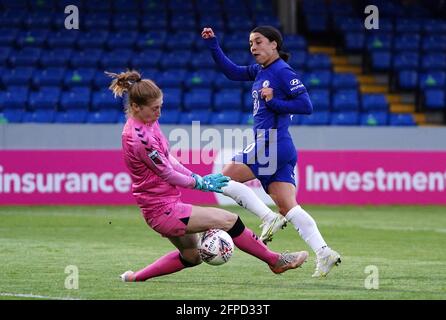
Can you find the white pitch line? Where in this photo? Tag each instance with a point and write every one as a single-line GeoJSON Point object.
{"type": "Point", "coordinates": [22, 295]}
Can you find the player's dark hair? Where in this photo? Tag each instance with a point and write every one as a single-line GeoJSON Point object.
{"type": "Point", "coordinates": [272, 34]}
{"type": "Point", "coordinates": [140, 91]}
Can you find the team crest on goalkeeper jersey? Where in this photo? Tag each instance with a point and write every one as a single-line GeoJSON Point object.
{"type": "Point", "coordinates": [155, 157]}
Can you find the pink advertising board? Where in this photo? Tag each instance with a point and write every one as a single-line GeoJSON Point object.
{"type": "Point", "coordinates": [324, 177]}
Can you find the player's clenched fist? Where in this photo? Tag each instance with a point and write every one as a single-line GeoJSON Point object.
{"type": "Point", "coordinates": [207, 33]}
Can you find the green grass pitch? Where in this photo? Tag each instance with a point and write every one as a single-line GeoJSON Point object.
{"type": "Point", "coordinates": [405, 244]}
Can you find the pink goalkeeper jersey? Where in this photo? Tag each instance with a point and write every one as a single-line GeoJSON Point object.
{"type": "Point", "coordinates": [155, 173]}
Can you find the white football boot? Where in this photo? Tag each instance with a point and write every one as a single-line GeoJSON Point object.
{"type": "Point", "coordinates": [269, 228]}
{"type": "Point", "coordinates": [289, 261]}
{"type": "Point", "coordinates": [127, 276]}
{"type": "Point", "coordinates": [325, 261]}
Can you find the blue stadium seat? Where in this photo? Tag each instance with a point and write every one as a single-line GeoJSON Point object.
{"type": "Point", "coordinates": [39, 116]}
{"type": "Point", "coordinates": [198, 99]}
{"type": "Point", "coordinates": [11, 115]}
{"type": "Point", "coordinates": [126, 6]}
{"type": "Point", "coordinates": [104, 99]}
{"type": "Point", "coordinates": [76, 98]}
{"type": "Point", "coordinates": [381, 60]}
{"type": "Point", "coordinates": [247, 119]}
{"type": "Point", "coordinates": [268, 20]}
{"type": "Point", "coordinates": [63, 39]}
{"type": "Point", "coordinates": [45, 98]}
{"type": "Point", "coordinates": [318, 61]}
{"type": "Point", "coordinates": [35, 38]}
{"type": "Point", "coordinates": [401, 119]}
{"type": "Point", "coordinates": [103, 116]}
{"type": "Point", "coordinates": [354, 41]}
{"type": "Point", "coordinates": [374, 102]}
{"type": "Point", "coordinates": [345, 100]}
{"type": "Point", "coordinates": [93, 39]}
{"type": "Point", "coordinates": [222, 82]}
{"type": "Point", "coordinates": [195, 115]}
{"type": "Point", "coordinates": [349, 118]}
{"type": "Point", "coordinates": [154, 22]}
{"type": "Point", "coordinates": [434, 98]}
{"type": "Point", "coordinates": [172, 98]}
{"type": "Point", "coordinates": [4, 55]}
{"type": "Point", "coordinates": [88, 58]}
{"type": "Point", "coordinates": [184, 40]}
{"type": "Point", "coordinates": [7, 37]}
{"type": "Point", "coordinates": [176, 59]}
{"type": "Point", "coordinates": [169, 116]}
{"type": "Point", "coordinates": [16, 97]}
{"type": "Point", "coordinates": [248, 101]}
{"type": "Point", "coordinates": [295, 42]}
{"type": "Point", "coordinates": [236, 41]}
{"type": "Point", "coordinates": [119, 58]}
{"type": "Point", "coordinates": [71, 116]}
{"type": "Point", "coordinates": [317, 79]}
{"type": "Point", "coordinates": [179, 6]}
{"type": "Point", "coordinates": [122, 39]}
{"type": "Point", "coordinates": [226, 117]}
{"type": "Point", "coordinates": [82, 77]}
{"type": "Point", "coordinates": [240, 57]}
{"type": "Point", "coordinates": [433, 26]}
{"type": "Point", "coordinates": [407, 42]}
{"type": "Point", "coordinates": [56, 58]}
{"type": "Point", "coordinates": [406, 60]}
{"type": "Point", "coordinates": [126, 21]}
{"type": "Point", "coordinates": [203, 78]}
{"type": "Point", "coordinates": [202, 59]}
{"type": "Point", "coordinates": [376, 118]}
{"type": "Point", "coordinates": [39, 20]}
{"type": "Point", "coordinates": [379, 42]}
{"type": "Point", "coordinates": [239, 23]}
{"type": "Point", "coordinates": [298, 60]}
{"type": "Point", "coordinates": [20, 76]}
{"type": "Point", "coordinates": [434, 62]}
{"type": "Point", "coordinates": [151, 40]}
{"type": "Point", "coordinates": [228, 99]}
{"type": "Point", "coordinates": [317, 23]}
{"type": "Point", "coordinates": [408, 79]}
{"type": "Point", "coordinates": [99, 21]}
{"type": "Point", "coordinates": [183, 21]}
{"type": "Point", "coordinates": [434, 79]}
{"type": "Point", "coordinates": [26, 57]}
{"type": "Point", "coordinates": [171, 78]}
{"type": "Point", "coordinates": [407, 25]}
{"type": "Point", "coordinates": [52, 76]}
{"type": "Point", "coordinates": [434, 43]}
{"type": "Point", "coordinates": [320, 98]}
{"type": "Point", "coordinates": [98, 6]}
{"type": "Point", "coordinates": [344, 80]}
{"type": "Point", "coordinates": [146, 59]}
{"type": "Point", "coordinates": [321, 118]}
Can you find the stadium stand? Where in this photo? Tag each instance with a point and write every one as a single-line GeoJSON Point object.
{"type": "Point", "coordinates": [395, 75]}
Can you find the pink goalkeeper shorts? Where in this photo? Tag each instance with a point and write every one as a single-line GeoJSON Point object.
{"type": "Point", "coordinates": [172, 222]}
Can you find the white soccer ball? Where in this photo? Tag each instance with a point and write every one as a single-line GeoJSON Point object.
{"type": "Point", "coordinates": [215, 247]}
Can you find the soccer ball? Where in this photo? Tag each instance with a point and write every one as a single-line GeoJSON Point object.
{"type": "Point", "coordinates": [215, 247]}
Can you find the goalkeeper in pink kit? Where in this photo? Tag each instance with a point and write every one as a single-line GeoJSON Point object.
{"type": "Point", "coordinates": [156, 176]}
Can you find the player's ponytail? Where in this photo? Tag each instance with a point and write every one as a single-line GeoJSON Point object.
{"type": "Point", "coordinates": [272, 34]}
{"type": "Point", "coordinates": [139, 91]}
{"type": "Point", "coordinates": [123, 81]}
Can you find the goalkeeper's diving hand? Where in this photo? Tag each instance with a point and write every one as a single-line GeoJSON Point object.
{"type": "Point", "coordinates": [211, 182]}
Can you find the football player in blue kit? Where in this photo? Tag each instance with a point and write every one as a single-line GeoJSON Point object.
{"type": "Point", "coordinates": [277, 95]}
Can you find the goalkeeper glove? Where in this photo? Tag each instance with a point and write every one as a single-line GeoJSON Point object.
{"type": "Point", "coordinates": [214, 182]}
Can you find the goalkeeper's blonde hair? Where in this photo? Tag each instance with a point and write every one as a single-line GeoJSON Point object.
{"type": "Point", "coordinates": [139, 91]}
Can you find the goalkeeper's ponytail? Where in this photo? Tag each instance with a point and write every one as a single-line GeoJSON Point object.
{"type": "Point", "coordinates": [139, 91]}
